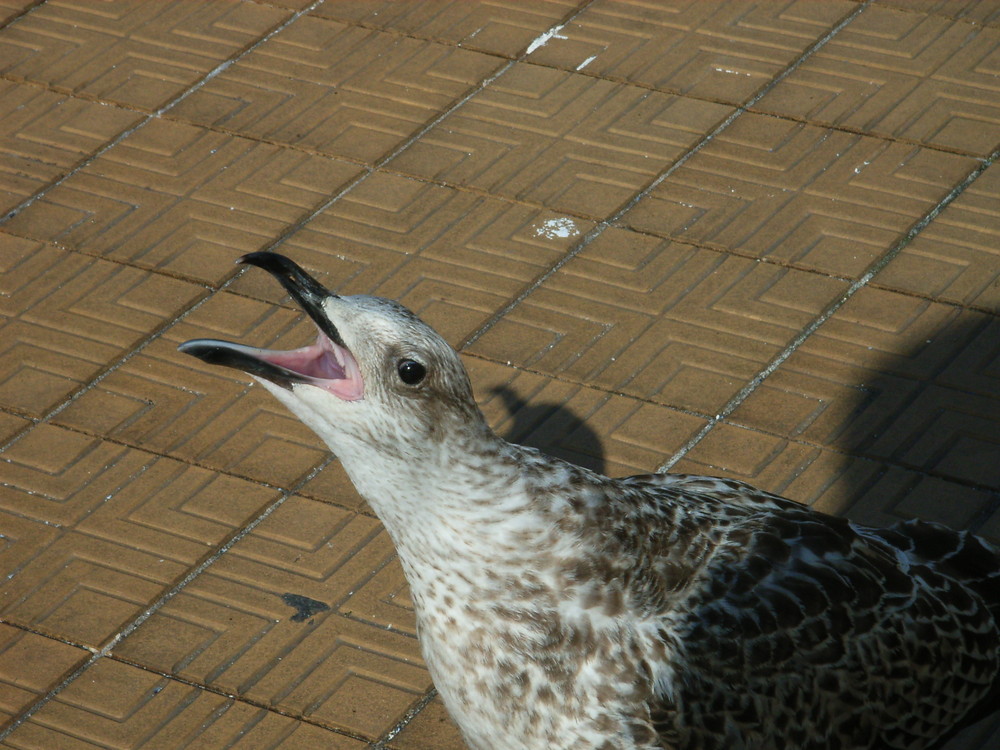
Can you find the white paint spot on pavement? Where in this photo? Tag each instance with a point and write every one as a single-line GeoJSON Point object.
{"type": "Point", "coordinates": [543, 39]}
{"type": "Point", "coordinates": [561, 228]}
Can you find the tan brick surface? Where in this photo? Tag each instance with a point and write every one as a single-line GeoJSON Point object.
{"type": "Point", "coordinates": [822, 200]}
{"type": "Point", "coordinates": [97, 531]}
{"type": "Point", "coordinates": [640, 274]}
{"type": "Point", "coordinates": [118, 705]}
{"type": "Point", "coordinates": [658, 320]}
{"type": "Point", "coordinates": [719, 50]}
{"type": "Point", "coordinates": [561, 139]}
{"type": "Point", "coordinates": [957, 258]}
{"type": "Point", "coordinates": [976, 11]}
{"type": "Point", "coordinates": [233, 629]}
{"type": "Point", "coordinates": [65, 316]}
{"type": "Point", "coordinates": [228, 422]}
{"type": "Point", "coordinates": [360, 103]}
{"type": "Point", "coordinates": [504, 27]}
{"type": "Point", "coordinates": [134, 53]}
{"type": "Point", "coordinates": [45, 134]}
{"type": "Point", "coordinates": [51, 661]}
{"type": "Point", "coordinates": [452, 256]}
{"type": "Point", "coordinates": [897, 73]}
{"type": "Point", "coordinates": [183, 199]}
{"type": "Point", "coordinates": [915, 384]}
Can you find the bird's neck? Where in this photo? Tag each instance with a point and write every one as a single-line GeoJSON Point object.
{"type": "Point", "coordinates": [469, 500]}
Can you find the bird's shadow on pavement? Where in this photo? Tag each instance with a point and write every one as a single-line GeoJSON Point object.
{"type": "Point", "coordinates": [929, 415]}
{"type": "Point", "coordinates": [553, 429]}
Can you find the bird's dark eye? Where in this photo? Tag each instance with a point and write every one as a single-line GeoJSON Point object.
{"type": "Point", "coordinates": [411, 372]}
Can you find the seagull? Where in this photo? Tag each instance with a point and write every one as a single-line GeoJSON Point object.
{"type": "Point", "coordinates": [559, 608]}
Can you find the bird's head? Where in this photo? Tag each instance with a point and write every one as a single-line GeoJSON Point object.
{"type": "Point", "coordinates": [379, 385]}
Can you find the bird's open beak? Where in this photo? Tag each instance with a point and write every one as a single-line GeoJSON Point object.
{"type": "Point", "coordinates": [326, 364]}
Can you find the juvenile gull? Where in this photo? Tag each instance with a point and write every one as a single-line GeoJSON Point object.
{"type": "Point", "coordinates": [558, 608]}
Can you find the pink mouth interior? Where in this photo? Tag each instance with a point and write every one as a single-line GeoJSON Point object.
{"type": "Point", "coordinates": [325, 364]}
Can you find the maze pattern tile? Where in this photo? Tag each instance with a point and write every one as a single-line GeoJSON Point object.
{"type": "Point", "coordinates": [96, 531]}
{"type": "Point", "coordinates": [976, 11]}
{"type": "Point", "coordinates": [903, 75]}
{"type": "Point", "coordinates": [452, 256]}
{"type": "Point", "coordinates": [560, 139]}
{"type": "Point", "coordinates": [360, 103]}
{"type": "Point", "coordinates": [137, 54]}
{"type": "Point", "coordinates": [680, 325]}
{"type": "Point", "coordinates": [310, 654]}
{"type": "Point", "coordinates": [11, 425]}
{"type": "Point", "coordinates": [169, 402]}
{"type": "Point", "coordinates": [183, 200]}
{"type": "Point", "coordinates": [819, 199]}
{"type": "Point", "coordinates": [65, 316]}
{"type": "Point", "coordinates": [607, 432]}
{"type": "Point", "coordinates": [44, 135]}
{"type": "Point", "coordinates": [504, 27]}
{"type": "Point", "coordinates": [51, 662]}
{"type": "Point", "coordinates": [897, 378]}
{"type": "Point", "coordinates": [957, 257]}
{"type": "Point", "coordinates": [115, 705]}
{"type": "Point", "coordinates": [720, 50]}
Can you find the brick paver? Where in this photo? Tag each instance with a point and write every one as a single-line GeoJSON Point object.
{"type": "Point", "coordinates": [754, 239]}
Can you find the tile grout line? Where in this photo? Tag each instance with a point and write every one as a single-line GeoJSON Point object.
{"type": "Point", "coordinates": [611, 220]}
{"type": "Point", "coordinates": [818, 321]}
{"type": "Point", "coordinates": [382, 742]}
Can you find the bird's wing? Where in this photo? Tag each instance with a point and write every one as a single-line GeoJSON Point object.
{"type": "Point", "coordinates": [801, 630]}
{"type": "Point", "coordinates": [730, 491]}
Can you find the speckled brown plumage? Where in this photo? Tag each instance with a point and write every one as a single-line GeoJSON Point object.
{"type": "Point", "coordinates": [558, 608]}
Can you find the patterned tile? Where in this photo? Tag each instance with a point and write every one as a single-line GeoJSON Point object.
{"type": "Point", "coordinates": [897, 378]}
{"type": "Point", "coordinates": [96, 531]}
{"type": "Point", "coordinates": [183, 200]}
{"type": "Point", "coordinates": [65, 316]}
{"type": "Point", "coordinates": [977, 11]}
{"type": "Point", "coordinates": [719, 50]}
{"type": "Point", "coordinates": [819, 199]}
{"type": "Point", "coordinates": [44, 135]}
{"type": "Point", "coordinates": [139, 54]}
{"type": "Point", "coordinates": [452, 256]}
{"type": "Point", "coordinates": [10, 425]}
{"type": "Point", "coordinates": [659, 320]}
{"type": "Point", "coordinates": [957, 257]}
{"type": "Point", "coordinates": [903, 75]}
{"type": "Point", "coordinates": [560, 139]}
{"type": "Point", "coordinates": [275, 621]}
{"type": "Point", "coordinates": [115, 705]}
{"type": "Point", "coordinates": [607, 432]}
{"type": "Point", "coordinates": [168, 402]}
{"type": "Point", "coordinates": [504, 27]}
{"type": "Point", "coordinates": [361, 103]}
{"type": "Point", "coordinates": [51, 662]}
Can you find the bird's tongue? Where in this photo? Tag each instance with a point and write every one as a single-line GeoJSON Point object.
{"type": "Point", "coordinates": [322, 364]}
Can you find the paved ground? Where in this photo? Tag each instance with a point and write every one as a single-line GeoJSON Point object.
{"type": "Point", "coordinates": [758, 240]}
